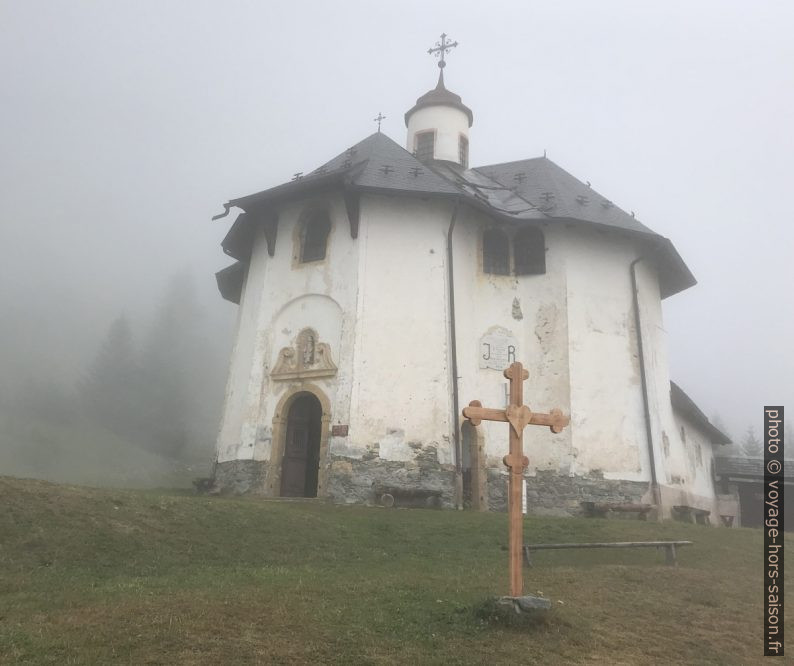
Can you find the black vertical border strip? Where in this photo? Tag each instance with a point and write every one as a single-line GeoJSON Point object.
{"type": "Point", "coordinates": [773, 531]}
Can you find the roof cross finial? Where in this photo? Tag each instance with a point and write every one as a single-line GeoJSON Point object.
{"type": "Point", "coordinates": [378, 120]}
{"type": "Point", "coordinates": [442, 48]}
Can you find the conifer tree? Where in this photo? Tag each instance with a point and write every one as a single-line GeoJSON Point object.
{"type": "Point", "coordinates": [109, 388]}
{"type": "Point", "coordinates": [751, 447]}
{"type": "Point", "coordinates": [168, 361]}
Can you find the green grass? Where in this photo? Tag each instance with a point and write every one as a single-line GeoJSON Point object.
{"type": "Point", "coordinates": [79, 451]}
{"type": "Point", "coordinates": [91, 576]}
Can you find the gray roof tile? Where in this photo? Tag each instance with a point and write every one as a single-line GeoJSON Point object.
{"type": "Point", "coordinates": [533, 189]}
{"type": "Point", "coordinates": [559, 194]}
{"type": "Point", "coordinates": [751, 468]}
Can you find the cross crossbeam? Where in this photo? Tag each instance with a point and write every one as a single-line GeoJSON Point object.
{"type": "Point", "coordinates": [441, 49]}
{"type": "Point", "coordinates": [518, 416]}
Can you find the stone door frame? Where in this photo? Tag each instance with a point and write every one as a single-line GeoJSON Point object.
{"type": "Point", "coordinates": [280, 417]}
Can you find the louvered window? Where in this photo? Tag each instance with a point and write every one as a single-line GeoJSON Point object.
{"type": "Point", "coordinates": [463, 151]}
{"type": "Point", "coordinates": [529, 252]}
{"type": "Point", "coordinates": [495, 252]}
{"type": "Point", "coordinates": [425, 143]}
{"type": "Point", "coordinates": [314, 237]}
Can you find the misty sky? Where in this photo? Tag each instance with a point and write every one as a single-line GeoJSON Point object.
{"type": "Point", "coordinates": [126, 125]}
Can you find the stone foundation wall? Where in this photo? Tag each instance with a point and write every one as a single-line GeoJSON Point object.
{"type": "Point", "coordinates": [238, 477]}
{"type": "Point", "coordinates": [360, 481]}
{"type": "Point", "coordinates": [355, 481]}
{"type": "Point", "coordinates": [551, 494]}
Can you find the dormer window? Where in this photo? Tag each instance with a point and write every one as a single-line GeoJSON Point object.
{"type": "Point", "coordinates": [529, 252]}
{"type": "Point", "coordinates": [463, 151]}
{"type": "Point", "coordinates": [314, 236]}
{"type": "Point", "coordinates": [425, 146]}
{"type": "Point", "coordinates": [495, 252]}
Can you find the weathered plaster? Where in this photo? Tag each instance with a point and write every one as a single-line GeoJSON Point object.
{"type": "Point", "coordinates": [380, 302]}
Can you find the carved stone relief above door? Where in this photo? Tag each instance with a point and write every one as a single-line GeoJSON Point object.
{"type": "Point", "coordinates": [307, 358]}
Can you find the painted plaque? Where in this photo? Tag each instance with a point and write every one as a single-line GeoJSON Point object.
{"type": "Point", "coordinates": [498, 349]}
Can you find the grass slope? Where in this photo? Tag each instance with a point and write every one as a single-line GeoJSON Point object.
{"type": "Point", "coordinates": [102, 576]}
{"type": "Point", "coordinates": [79, 451]}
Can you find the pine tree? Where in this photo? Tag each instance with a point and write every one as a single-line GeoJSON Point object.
{"type": "Point", "coordinates": [109, 388]}
{"type": "Point", "coordinates": [751, 447]}
{"type": "Point", "coordinates": [172, 352]}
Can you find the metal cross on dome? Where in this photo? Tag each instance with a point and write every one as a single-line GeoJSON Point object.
{"type": "Point", "coordinates": [441, 48]}
{"type": "Point", "coordinates": [379, 119]}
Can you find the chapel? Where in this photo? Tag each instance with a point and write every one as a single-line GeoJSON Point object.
{"type": "Point", "coordinates": [383, 291]}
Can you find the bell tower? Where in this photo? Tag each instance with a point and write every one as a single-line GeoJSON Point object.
{"type": "Point", "coordinates": [438, 124]}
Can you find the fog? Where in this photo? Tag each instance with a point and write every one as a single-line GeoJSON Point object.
{"type": "Point", "coordinates": [126, 125]}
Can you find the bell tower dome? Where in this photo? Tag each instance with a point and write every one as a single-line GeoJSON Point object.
{"type": "Point", "coordinates": [438, 124]}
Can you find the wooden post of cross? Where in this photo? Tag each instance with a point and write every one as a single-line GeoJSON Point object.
{"type": "Point", "coordinates": [518, 416]}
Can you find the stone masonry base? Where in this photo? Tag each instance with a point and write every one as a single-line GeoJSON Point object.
{"type": "Point", "coordinates": [360, 481]}
{"type": "Point", "coordinates": [240, 477]}
{"type": "Point", "coordinates": [551, 494]}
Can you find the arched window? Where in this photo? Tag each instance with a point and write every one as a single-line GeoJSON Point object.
{"type": "Point", "coordinates": [314, 236]}
{"type": "Point", "coordinates": [529, 252]}
{"type": "Point", "coordinates": [495, 252]}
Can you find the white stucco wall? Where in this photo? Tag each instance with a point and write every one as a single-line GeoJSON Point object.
{"type": "Point", "coordinates": [539, 324]}
{"type": "Point", "coordinates": [380, 302]}
{"type": "Point", "coordinates": [236, 409]}
{"type": "Point", "coordinates": [401, 391]}
{"type": "Point", "coordinates": [694, 453]}
{"type": "Point", "coordinates": [607, 424]}
{"type": "Point", "coordinates": [447, 122]}
{"type": "Point", "coordinates": [577, 337]}
{"type": "Point", "coordinates": [281, 296]}
{"type": "Point", "coordinates": [698, 454]}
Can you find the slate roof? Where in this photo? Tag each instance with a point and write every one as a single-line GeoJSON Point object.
{"type": "Point", "coordinates": [527, 190]}
{"type": "Point", "coordinates": [749, 468]}
{"type": "Point", "coordinates": [558, 194]}
{"type": "Point", "coordinates": [376, 163]}
{"type": "Point", "coordinates": [685, 405]}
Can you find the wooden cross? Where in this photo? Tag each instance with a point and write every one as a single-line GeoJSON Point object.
{"type": "Point", "coordinates": [441, 49]}
{"type": "Point", "coordinates": [518, 416]}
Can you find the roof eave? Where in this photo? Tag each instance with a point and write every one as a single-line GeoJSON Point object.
{"type": "Point", "coordinates": [230, 281]}
{"type": "Point", "coordinates": [676, 278]}
{"type": "Point", "coordinates": [296, 187]}
{"type": "Point", "coordinates": [455, 105]}
{"type": "Point", "coordinates": [685, 405]}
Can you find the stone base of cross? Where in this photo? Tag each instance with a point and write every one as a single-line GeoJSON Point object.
{"type": "Point", "coordinates": [518, 416]}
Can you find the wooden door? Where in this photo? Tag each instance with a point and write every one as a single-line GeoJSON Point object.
{"type": "Point", "coordinates": [299, 466]}
{"type": "Point", "coordinates": [293, 472]}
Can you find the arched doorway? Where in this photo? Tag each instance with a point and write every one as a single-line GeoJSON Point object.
{"type": "Point", "coordinates": [301, 459]}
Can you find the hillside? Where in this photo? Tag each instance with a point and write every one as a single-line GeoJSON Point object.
{"type": "Point", "coordinates": [91, 576]}
{"type": "Point", "coordinates": [75, 450]}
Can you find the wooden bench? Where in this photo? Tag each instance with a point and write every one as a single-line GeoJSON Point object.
{"type": "Point", "coordinates": [600, 509]}
{"type": "Point", "coordinates": [669, 547]}
{"type": "Point", "coordinates": [689, 514]}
